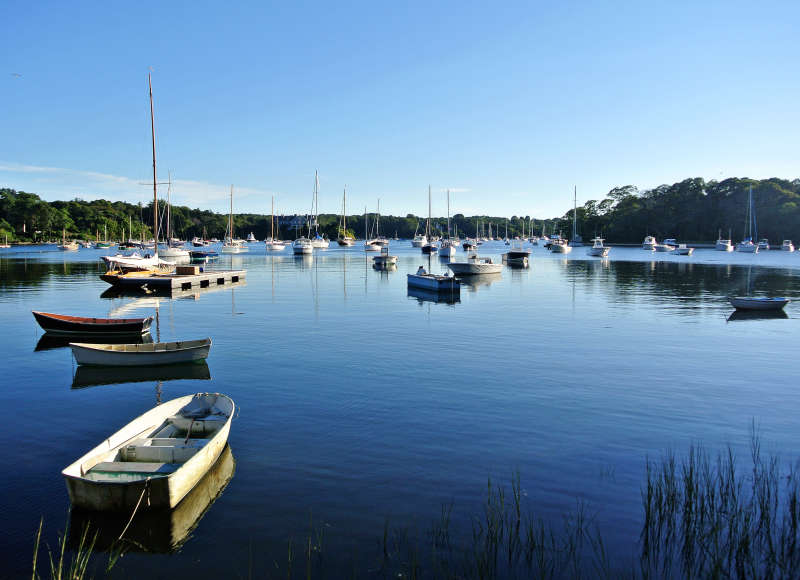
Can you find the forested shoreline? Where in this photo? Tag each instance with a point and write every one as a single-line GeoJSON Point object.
{"type": "Point", "coordinates": [692, 210]}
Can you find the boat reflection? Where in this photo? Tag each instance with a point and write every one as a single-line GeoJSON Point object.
{"type": "Point", "coordinates": [89, 376]}
{"type": "Point", "coordinates": [51, 341]}
{"type": "Point", "coordinates": [472, 283]}
{"type": "Point", "coordinates": [432, 296]}
{"type": "Point", "coordinates": [739, 315]}
{"type": "Point", "coordinates": [158, 531]}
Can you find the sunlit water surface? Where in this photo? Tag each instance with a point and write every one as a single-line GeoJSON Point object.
{"type": "Point", "coordinates": [361, 404]}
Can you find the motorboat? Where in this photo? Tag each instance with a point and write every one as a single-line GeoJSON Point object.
{"type": "Point", "coordinates": [433, 282]}
{"type": "Point", "coordinates": [155, 353]}
{"type": "Point", "coordinates": [723, 245]}
{"type": "Point", "coordinates": [251, 238]}
{"type": "Point", "coordinates": [763, 244]}
{"type": "Point", "coordinates": [517, 255]}
{"type": "Point", "coordinates": [663, 247]}
{"type": "Point", "coordinates": [447, 249]}
{"type": "Point", "coordinates": [559, 246]}
{"type": "Point", "coordinates": [430, 248]}
{"type": "Point", "coordinates": [154, 460]}
{"type": "Point", "coordinates": [670, 242]}
{"type": "Point", "coordinates": [598, 249]}
{"type": "Point", "coordinates": [275, 245]}
{"type": "Point", "coordinates": [234, 247]}
{"type": "Point", "coordinates": [757, 302]}
{"type": "Point", "coordinates": [384, 260]}
{"type": "Point", "coordinates": [202, 256]}
{"type": "Point", "coordinates": [787, 246]}
{"type": "Point", "coordinates": [419, 241]}
{"type": "Point", "coordinates": [302, 247]}
{"type": "Point", "coordinates": [320, 242]}
{"type": "Point", "coordinates": [62, 324]}
{"type": "Point", "coordinates": [369, 246]}
{"type": "Point", "coordinates": [682, 250]}
{"type": "Point", "coordinates": [649, 243]}
{"type": "Point", "coordinates": [475, 265]}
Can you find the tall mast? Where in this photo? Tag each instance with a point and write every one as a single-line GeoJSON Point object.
{"type": "Point", "coordinates": [155, 181]}
{"type": "Point", "coordinates": [428, 224]}
{"type": "Point", "coordinates": [230, 218]}
{"type": "Point", "coordinates": [448, 213]}
{"type": "Point", "coordinates": [272, 221]}
{"type": "Point", "coordinates": [169, 205]}
{"type": "Point", "coordinates": [344, 212]}
{"type": "Point", "coordinates": [575, 216]}
{"type": "Point", "coordinates": [378, 220]}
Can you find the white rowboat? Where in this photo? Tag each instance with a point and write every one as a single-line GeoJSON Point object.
{"type": "Point", "coordinates": [156, 459]}
{"type": "Point", "coordinates": [154, 353]}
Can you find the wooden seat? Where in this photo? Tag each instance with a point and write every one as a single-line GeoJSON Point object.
{"type": "Point", "coordinates": [137, 467]}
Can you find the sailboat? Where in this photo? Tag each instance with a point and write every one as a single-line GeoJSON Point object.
{"type": "Point", "coordinates": [723, 245]}
{"type": "Point", "coordinates": [120, 265]}
{"type": "Point", "coordinates": [344, 238]}
{"type": "Point", "coordinates": [68, 246]}
{"type": "Point", "coordinates": [377, 239]}
{"type": "Point", "coordinates": [5, 243]}
{"type": "Point", "coordinates": [577, 240]}
{"type": "Point", "coordinates": [231, 245]}
{"type": "Point", "coordinates": [447, 248]}
{"type": "Point", "coordinates": [369, 245]}
{"type": "Point", "coordinates": [747, 245]}
{"type": "Point", "coordinates": [173, 248]}
{"type": "Point", "coordinates": [429, 247]}
{"type": "Point", "coordinates": [317, 241]}
{"type": "Point", "coordinates": [273, 245]}
{"type": "Point", "coordinates": [419, 240]}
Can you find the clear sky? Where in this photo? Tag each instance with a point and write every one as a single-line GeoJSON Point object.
{"type": "Point", "coordinates": [509, 104]}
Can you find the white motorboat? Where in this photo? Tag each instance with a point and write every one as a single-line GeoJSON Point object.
{"type": "Point", "coordinates": [559, 246]}
{"type": "Point", "coordinates": [598, 249]}
{"type": "Point", "coordinates": [384, 260]}
{"type": "Point", "coordinates": [757, 303]}
{"type": "Point", "coordinates": [302, 247]}
{"type": "Point", "coordinates": [154, 353]}
{"type": "Point", "coordinates": [275, 245]}
{"type": "Point", "coordinates": [517, 255]}
{"type": "Point", "coordinates": [156, 459]}
{"type": "Point", "coordinates": [475, 265]}
{"type": "Point", "coordinates": [723, 245]}
{"type": "Point", "coordinates": [747, 246]}
{"type": "Point", "coordinates": [670, 242]}
{"type": "Point", "coordinates": [419, 241]}
{"type": "Point", "coordinates": [649, 243]}
{"type": "Point", "coordinates": [433, 282]}
{"type": "Point", "coordinates": [787, 246]}
{"type": "Point", "coordinates": [682, 250]}
{"type": "Point", "coordinates": [763, 244]}
{"type": "Point", "coordinates": [251, 238]}
{"type": "Point", "coordinates": [663, 248]}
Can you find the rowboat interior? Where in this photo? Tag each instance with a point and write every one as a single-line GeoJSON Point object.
{"type": "Point", "coordinates": [161, 451]}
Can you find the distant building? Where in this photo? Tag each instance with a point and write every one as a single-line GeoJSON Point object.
{"type": "Point", "coordinates": [294, 221]}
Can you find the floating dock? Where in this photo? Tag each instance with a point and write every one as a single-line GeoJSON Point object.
{"type": "Point", "coordinates": [181, 282]}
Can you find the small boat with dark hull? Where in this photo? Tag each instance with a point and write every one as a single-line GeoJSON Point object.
{"type": "Point", "coordinates": [80, 325]}
{"type": "Point", "coordinates": [758, 303]}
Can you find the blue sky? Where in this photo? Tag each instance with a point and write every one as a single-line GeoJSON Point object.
{"type": "Point", "coordinates": [508, 104]}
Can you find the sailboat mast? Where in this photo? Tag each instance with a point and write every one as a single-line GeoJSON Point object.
{"type": "Point", "coordinates": [230, 217]}
{"type": "Point", "coordinates": [448, 213]}
{"type": "Point", "coordinates": [169, 204]}
{"type": "Point", "coordinates": [378, 221]}
{"type": "Point", "coordinates": [575, 216]}
{"type": "Point", "coordinates": [272, 221]}
{"type": "Point", "coordinates": [428, 224]}
{"type": "Point", "coordinates": [155, 181]}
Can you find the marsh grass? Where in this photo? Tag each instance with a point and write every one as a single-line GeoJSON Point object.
{"type": "Point", "coordinates": [71, 564]}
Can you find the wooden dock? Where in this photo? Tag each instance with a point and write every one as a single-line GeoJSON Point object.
{"type": "Point", "coordinates": [182, 282]}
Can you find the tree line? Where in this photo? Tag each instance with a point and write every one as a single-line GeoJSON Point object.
{"type": "Point", "coordinates": [692, 210]}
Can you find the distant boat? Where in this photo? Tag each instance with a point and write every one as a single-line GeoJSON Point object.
{"type": "Point", "coordinates": [757, 303]}
{"type": "Point", "coordinates": [663, 247]}
{"type": "Point", "coordinates": [384, 260]}
{"type": "Point", "coordinates": [429, 247]}
{"type": "Point", "coordinates": [763, 244]}
{"type": "Point", "coordinates": [155, 353]}
{"type": "Point", "coordinates": [317, 241]}
{"type": "Point", "coordinates": [369, 245]}
{"type": "Point", "coordinates": [251, 238]}
{"type": "Point", "coordinates": [231, 244]}
{"type": "Point", "coordinates": [598, 249]}
{"type": "Point", "coordinates": [576, 239]}
{"type": "Point", "coordinates": [63, 324]}
{"type": "Point", "coordinates": [5, 243]}
{"type": "Point", "coordinates": [202, 256]}
{"type": "Point", "coordinates": [683, 250]}
{"type": "Point", "coordinates": [302, 246]}
{"type": "Point", "coordinates": [649, 243]}
{"type": "Point", "coordinates": [723, 244]}
{"type": "Point", "coordinates": [475, 265]}
{"type": "Point", "coordinates": [174, 249]}
{"type": "Point", "coordinates": [433, 282]}
{"type": "Point", "coordinates": [447, 247]}
{"type": "Point", "coordinates": [272, 244]}
{"type": "Point", "coordinates": [517, 255]}
{"type": "Point", "coordinates": [558, 245]}
{"type": "Point", "coordinates": [344, 239]}
{"type": "Point", "coordinates": [157, 458]}
{"type": "Point", "coordinates": [65, 245]}
{"type": "Point", "coordinates": [747, 245]}
{"type": "Point", "coordinates": [787, 246]}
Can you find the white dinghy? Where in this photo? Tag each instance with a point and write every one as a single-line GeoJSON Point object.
{"type": "Point", "coordinates": [154, 353]}
{"type": "Point", "coordinates": [154, 460]}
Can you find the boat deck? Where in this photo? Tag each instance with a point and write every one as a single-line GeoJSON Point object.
{"type": "Point", "coordinates": [182, 282]}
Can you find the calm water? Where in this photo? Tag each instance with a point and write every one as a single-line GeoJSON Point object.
{"type": "Point", "coordinates": [359, 403]}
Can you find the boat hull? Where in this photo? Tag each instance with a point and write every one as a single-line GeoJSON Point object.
{"type": "Point", "coordinates": [748, 303]}
{"type": "Point", "coordinates": [468, 269]}
{"type": "Point", "coordinates": [158, 491]}
{"type": "Point", "coordinates": [74, 325]}
{"type": "Point", "coordinates": [140, 354]}
{"type": "Point", "coordinates": [435, 283]}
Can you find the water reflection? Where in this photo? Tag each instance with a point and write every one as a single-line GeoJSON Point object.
{"type": "Point", "coordinates": [159, 531]}
{"type": "Point", "coordinates": [739, 315]}
{"type": "Point", "coordinates": [431, 296]}
{"type": "Point", "coordinates": [50, 341]}
{"type": "Point", "coordinates": [88, 376]}
{"type": "Point", "coordinates": [472, 283]}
